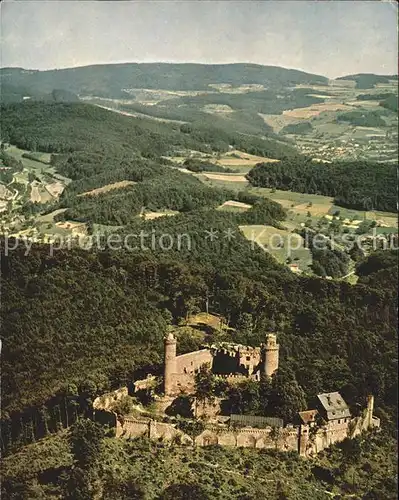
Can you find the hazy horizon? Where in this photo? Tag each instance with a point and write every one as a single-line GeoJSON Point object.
{"type": "Point", "coordinates": [326, 38]}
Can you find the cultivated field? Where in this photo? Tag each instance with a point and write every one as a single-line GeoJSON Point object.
{"type": "Point", "coordinates": [315, 110]}
{"type": "Point", "coordinates": [40, 193]}
{"type": "Point", "coordinates": [34, 194]}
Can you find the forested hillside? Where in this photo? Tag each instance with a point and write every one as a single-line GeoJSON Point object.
{"type": "Point", "coordinates": [265, 101]}
{"type": "Point", "coordinates": [95, 318]}
{"type": "Point", "coordinates": [356, 184]}
{"type": "Point", "coordinates": [95, 147]}
{"type": "Point", "coordinates": [112, 80]}
{"type": "Point", "coordinates": [64, 128]}
{"type": "Point", "coordinates": [368, 80]}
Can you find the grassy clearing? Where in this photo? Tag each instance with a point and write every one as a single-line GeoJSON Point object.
{"type": "Point", "coordinates": [222, 183]}
{"type": "Point", "coordinates": [42, 168]}
{"type": "Point", "coordinates": [50, 216]}
{"type": "Point", "coordinates": [147, 215]}
{"type": "Point", "coordinates": [234, 206]}
{"type": "Point", "coordinates": [204, 319]}
{"type": "Point", "coordinates": [42, 158]}
{"type": "Point", "coordinates": [277, 122]}
{"type": "Point", "coordinates": [291, 199]}
{"type": "Point", "coordinates": [281, 243]}
{"type": "Point", "coordinates": [55, 189]}
{"type": "Point", "coordinates": [76, 228]}
{"type": "Point", "coordinates": [237, 155]}
{"type": "Point", "coordinates": [104, 228]}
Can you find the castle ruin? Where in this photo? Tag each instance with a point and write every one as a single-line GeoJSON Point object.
{"type": "Point", "coordinates": [328, 421]}
{"type": "Point", "coordinates": [227, 360]}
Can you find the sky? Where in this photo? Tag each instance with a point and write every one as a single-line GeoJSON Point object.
{"type": "Point", "coordinates": [331, 38]}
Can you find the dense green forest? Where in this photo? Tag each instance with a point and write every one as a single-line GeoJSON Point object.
{"type": "Point", "coordinates": [115, 80]}
{"type": "Point", "coordinates": [172, 190]}
{"type": "Point", "coordinates": [355, 184]}
{"type": "Point", "coordinates": [374, 97]}
{"type": "Point", "coordinates": [265, 101]}
{"type": "Point", "coordinates": [390, 103]}
{"type": "Point", "coordinates": [368, 80]}
{"type": "Point", "coordinates": [8, 167]}
{"type": "Point", "coordinates": [195, 165]}
{"type": "Point", "coordinates": [64, 128]}
{"type": "Point", "coordinates": [243, 121]}
{"type": "Point", "coordinates": [13, 94]}
{"type": "Point", "coordinates": [362, 118]}
{"type": "Point", "coordinates": [297, 128]}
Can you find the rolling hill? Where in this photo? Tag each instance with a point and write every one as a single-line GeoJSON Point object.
{"type": "Point", "coordinates": [368, 80]}
{"type": "Point", "coordinates": [113, 80]}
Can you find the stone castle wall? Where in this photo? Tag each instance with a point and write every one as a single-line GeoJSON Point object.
{"type": "Point", "coordinates": [106, 401]}
{"type": "Point", "coordinates": [268, 438]}
{"type": "Point", "coordinates": [184, 368]}
{"type": "Point", "coordinates": [192, 361]}
{"type": "Point", "coordinates": [284, 440]}
{"type": "Point", "coordinates": [300, 439]}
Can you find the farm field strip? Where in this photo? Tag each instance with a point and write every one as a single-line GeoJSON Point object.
{"type": "Point", "coordinates": [225, 177]}
{"type": "Point", "coordinates": [108, 187]}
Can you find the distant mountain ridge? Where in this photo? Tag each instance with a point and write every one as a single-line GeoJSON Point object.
{"type": "Point", "coordinates": [112, 80]}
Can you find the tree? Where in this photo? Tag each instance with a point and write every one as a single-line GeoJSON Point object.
{"type": "Point", "coordinates": [245, 326]}
{"type": "Point", "coordinates": [115, 489]}
{"type": "Point", "coordinates": [79, 485]}
{"type": "Point", "coordinates": [204, 384]}
{"type": "Point", "coordinates": [288, 396]}
{"type": "Point", "coordinates": [184, 492]}
{"type": "Point", "coordinates": [85, 439]}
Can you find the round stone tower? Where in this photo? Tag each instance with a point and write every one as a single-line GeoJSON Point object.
{"type": "Point", "coordinates": [169, 364]}
{"type": "Point", "coordinates": [270, 354]}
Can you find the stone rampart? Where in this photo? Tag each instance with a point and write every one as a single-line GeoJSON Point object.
{"type": "Point", "coordinates": [192, 361]}
{"type": "Point", "coordinates": [106, 401]}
